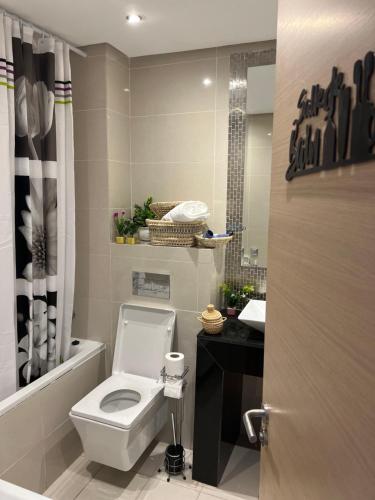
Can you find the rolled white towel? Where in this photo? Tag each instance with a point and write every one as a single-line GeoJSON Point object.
{"type": "Point", "coordinates": [188, 211]}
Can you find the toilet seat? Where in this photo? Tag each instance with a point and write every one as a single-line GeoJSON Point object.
{"type": "Point", "coordinates": [92, 406]}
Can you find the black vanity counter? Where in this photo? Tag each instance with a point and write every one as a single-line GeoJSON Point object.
{"type": "Point", "coordinates": [222, 360]}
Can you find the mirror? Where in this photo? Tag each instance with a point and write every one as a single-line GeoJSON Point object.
{"type": "Point", "coordinates": [257, 164]}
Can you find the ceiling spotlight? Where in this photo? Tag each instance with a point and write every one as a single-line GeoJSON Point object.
{"type": "Point", "coordinates": [207, 82]}
{"type": "Point", "coordinates": [133, 18]}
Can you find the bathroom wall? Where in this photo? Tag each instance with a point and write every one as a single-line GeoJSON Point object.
{"type": "Point", "coordinates": [194, 278]}
{"type": "Point", "coordinates": [175, 148]}
{"type": "Point", "coordinates": [102, 153]}
{"type": "Point", "coordinates": [179, 128]}
{"type": "Point", "coordinates": [38, 440]}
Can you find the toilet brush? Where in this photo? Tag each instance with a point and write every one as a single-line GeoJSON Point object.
{"type": "Point", "coordinates": [174, 430]}
{"type": "Point", "coordinates": [174, 462]}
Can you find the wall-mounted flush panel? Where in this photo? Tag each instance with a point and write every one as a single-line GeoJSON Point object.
{"type": "Point", "coordinates": [151, 285]}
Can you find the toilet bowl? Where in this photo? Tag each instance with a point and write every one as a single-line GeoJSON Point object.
{"type": "Point", "coordinates": [118, 419]}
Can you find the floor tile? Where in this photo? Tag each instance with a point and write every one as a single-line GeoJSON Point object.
{"type": "Point", "coordinates": [73, 480]}
{"type": "Point", "coordinates": [113, 484]}
{"type": "Point", "coordinates": [188, 482]}
{"type": "Point", "coordinates": [240, 478]}
{"type": "Point", "coordinates": [151, 459]}
{"type": "Point", "coordinates": [205, 496]}
{"type": "Point", "coordinates": [161, 490]}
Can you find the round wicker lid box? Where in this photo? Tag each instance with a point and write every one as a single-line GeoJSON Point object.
{"type": "Point", "coordinates": [212, 320]}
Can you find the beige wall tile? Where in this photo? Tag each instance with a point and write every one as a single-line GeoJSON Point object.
{"type": "Point", "coordinates": [221, 136]}
{"type": "Point", "coordinates": [88, 82]}
{"type": "Point", "coordinates": [118, 86]}
{"type": "Point", "coordinates": [118, 137]}
{"type": "Point", "coordinates": [184, 254]}
{"type": "Point", "coordinates": [174, 88]}
{"type": "Point", "coordinates": [223, 77]}
{"type": "Point", "coordinates": [92, 276]}
{"type": "Point", "coordinates": [119, 176]}
{"type": "Point", "coordinates": [20, 431]}
{"type": "Point", "coordinates": [91, 178]}
{"type": "Point", "coordinates": [62, 448]}
{"type": "Point", "coordinates": [185, 181]}
{"type": "Point", "coordinates": [58, 398]}
{"type": "Point", "coordinates": [173, 138]}
{"type": "Point", "coordinates": [172, 57]}
{"type": "Point", "coordinates": [90, 135]}
{"type": "Point", "coordinates": [92, 319]}
{"type": "Point", "coordinates": [218, 221]}
{"type": "Point", "coordinates": [92, 231]}
{"type": "Point", "coordinates": [29, 471]}
{"type": "Point", "coordinates": [183, 281]}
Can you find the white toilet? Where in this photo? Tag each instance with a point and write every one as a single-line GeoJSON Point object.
{"type": "Point", "coordinates": [120, 417]}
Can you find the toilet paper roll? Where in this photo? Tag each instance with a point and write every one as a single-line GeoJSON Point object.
{"type": "Point", "coordinates": [174, 363]}
{"type": "Point", "coordinates": [174, 389]}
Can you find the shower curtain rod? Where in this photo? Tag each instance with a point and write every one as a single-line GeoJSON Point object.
{"type": "Point", "coordinates": [42, 32]}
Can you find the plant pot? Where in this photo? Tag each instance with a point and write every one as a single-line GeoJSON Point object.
{"type": "Point", "coordinates": [130, 240]}
{"type": "Point", "coordinates": [144, 234]}
{"type": "Point", "coordinates": [231, 311]}
{"type": "Point", "coordinates": [120, 240]}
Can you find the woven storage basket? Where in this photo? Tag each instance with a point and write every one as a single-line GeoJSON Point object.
{"type": "Point", "coordinates": [212, 242]}
{"type": "Point", "coordinates": [174, 234]}
{"type": "Point", "coordinates": [161, 208]}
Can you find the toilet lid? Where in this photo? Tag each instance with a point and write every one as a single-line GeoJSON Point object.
{"type": "Point", "coordinates": [144, 337]}
{"type": "Point", "coordinates": [119, 401]}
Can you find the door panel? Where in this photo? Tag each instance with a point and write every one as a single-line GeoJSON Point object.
{"type": "Point", "coordinates": [319, 375]}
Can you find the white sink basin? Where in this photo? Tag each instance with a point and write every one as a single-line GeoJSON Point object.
{"type": "Point", "coordinates": [254, 314]}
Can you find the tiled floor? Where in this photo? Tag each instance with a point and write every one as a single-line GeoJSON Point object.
{"type": "Point", "coordinates": [88, 481]}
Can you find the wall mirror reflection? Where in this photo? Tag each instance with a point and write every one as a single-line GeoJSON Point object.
{"type": "Point", "coordinates": [257, 164]}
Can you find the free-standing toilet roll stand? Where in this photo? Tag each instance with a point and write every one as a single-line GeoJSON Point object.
{"type": "Point", "coordinates": [174, 462]}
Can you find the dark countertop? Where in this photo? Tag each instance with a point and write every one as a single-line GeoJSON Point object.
{"type": "Point", "coordinates": [235, 332]}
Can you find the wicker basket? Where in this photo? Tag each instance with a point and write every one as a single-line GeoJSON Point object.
{"type": "Point", "coordinates": [174, 234]}
{"type": "Point", "coordinates": [161, 208]}
{"type": "Point", "coordinates": [212, 242]}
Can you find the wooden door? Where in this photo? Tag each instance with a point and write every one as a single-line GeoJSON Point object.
{"type": "Point", "coordinates": [319, 373]}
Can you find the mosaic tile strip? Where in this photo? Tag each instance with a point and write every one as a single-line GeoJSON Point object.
{"type": "Point", "coordinates": [235, 274]}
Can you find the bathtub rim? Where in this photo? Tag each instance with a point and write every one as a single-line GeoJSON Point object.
{"type": "Point", "coordinates": [90, 348]}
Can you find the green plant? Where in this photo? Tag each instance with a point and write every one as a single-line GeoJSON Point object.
{"type": "Point", "coordinates": [131, 227]}
{"type": "Point", "coordinates": [141, 213]}
{"type": "Point", "coordinates": [233, 297]}
{"type": "Point", "coordinates": [120, 221]}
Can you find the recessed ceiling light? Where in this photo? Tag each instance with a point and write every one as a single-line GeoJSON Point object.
{"type": "Point", "coordinates": [269, 133]}
{"type": "Point", "coordinates": [207, 82]}
{"type": "Point", "coordinates": [134, 18]}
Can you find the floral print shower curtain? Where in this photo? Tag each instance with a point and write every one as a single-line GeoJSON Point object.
{"type": "Point", "coordinates": [44, 202]}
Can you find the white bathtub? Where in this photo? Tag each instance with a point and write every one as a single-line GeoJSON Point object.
{"type": "Point", "coordinates": [80, 353]}
{"type": "Point", "coordinates": [10, 491]}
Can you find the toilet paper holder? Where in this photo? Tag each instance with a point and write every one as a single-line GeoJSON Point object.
{"type": "Point", "coordinates": [172, 378]}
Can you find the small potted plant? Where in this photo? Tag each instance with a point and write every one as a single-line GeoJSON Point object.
{"type": "Point", "coordinates": [141, 213]}
{"type": "Point", "coordinates": [119, 221]}
{"type": "Point", "coordinates": [233, 297]}
{"type": "Point", "coordinates": [131, 228]}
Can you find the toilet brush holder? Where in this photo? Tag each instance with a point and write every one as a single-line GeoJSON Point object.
{"type": "Point", "coordinates": [174, 461]}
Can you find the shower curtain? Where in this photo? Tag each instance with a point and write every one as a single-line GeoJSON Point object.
{"type": "Point", "coordinates": [43, 185]}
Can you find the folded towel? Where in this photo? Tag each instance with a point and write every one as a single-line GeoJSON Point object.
{"type": "Point", "coordinates": [188, 211]}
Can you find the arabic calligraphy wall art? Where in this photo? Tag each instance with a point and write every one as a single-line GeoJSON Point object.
{"type": "Point", "coordinates": [348, 135]}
